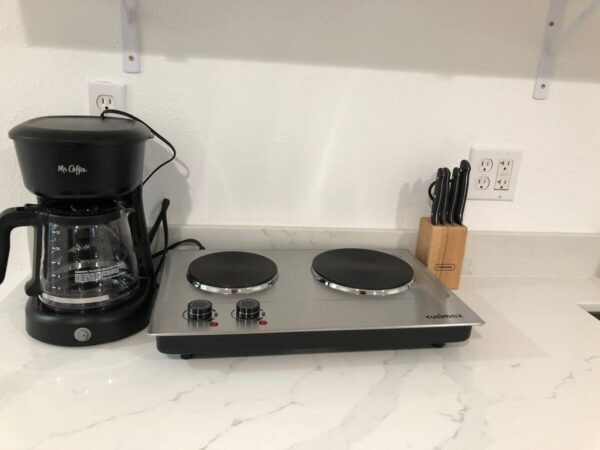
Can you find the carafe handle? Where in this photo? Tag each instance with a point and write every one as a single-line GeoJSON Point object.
{"type": "Point", "coordinates": [11, 219]}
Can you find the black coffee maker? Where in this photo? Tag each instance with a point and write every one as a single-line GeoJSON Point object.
{"type": "Point", "coordinates": [93, 279]}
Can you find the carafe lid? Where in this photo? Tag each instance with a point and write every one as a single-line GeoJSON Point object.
{"type": "Point", "coordinates": [90, 214]}
{"type": "Point", "coordinates": [81, 129]}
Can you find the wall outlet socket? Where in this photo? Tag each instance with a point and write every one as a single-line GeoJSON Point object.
{"type": "Point", "coordinates": [482, 182]}
{"type": "Point", "coordinates": [105, 95]}
{"type": "Point", "coordinates": [485, 165]}
{"type": "Point", "coordinates": [494, 173]}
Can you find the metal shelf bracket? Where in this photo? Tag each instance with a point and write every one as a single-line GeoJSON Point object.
{"type": "Point", "coordinates": [130, 36]}
{"type": "Point", "coordinates": [555, 37]}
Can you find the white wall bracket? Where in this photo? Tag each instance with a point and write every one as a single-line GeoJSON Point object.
{"type": "Point", "coordinates": [556, 35]}
{"type": "Point", "coordinates": [130, 36]}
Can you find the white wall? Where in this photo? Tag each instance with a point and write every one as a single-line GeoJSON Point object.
{"type": "Point", "coordinates": [330, 113]}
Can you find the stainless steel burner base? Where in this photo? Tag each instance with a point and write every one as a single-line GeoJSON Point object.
{"type": "Point", "coordinates": [303, 315]}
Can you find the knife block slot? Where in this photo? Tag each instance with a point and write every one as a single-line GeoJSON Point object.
{"type": "Point", "coordinates": [442, 249]}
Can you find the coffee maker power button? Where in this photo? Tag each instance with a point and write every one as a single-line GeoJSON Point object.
{"type": "Point", "coordinates": [82, 334]}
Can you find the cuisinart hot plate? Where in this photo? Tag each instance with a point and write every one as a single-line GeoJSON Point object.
{"type": "Point", "coordinates": [223, 303]}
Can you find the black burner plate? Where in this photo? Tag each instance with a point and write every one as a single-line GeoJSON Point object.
{"type": "Point", "coordinates": [363, 269]}
{"type": "Point", "coordinates": [232, 270]}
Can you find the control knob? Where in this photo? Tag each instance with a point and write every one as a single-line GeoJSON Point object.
{"type": "Point", "coordinates": [247, 309]}
{"type": "Point", "coordinates": [200, 310]}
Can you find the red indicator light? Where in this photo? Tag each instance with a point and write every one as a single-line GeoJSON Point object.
{"type": "Point", "coordinates": [262, 322]}
{"type": "Point", "coordinates": [213, 324]}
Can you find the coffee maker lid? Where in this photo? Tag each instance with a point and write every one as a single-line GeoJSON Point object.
{"type": "Point", "coordinates": [81, 129]}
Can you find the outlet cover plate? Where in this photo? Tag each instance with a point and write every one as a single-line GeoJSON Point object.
{"type": "Point", "coordinates": [497, 172]}
{"type": "Point", "coordinates": [96, 89]}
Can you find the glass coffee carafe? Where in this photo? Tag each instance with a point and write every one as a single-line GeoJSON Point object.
{"type": "Point", "coordinates": [88, 260]}
{"type": "Point", "coordinates": [84, 256]}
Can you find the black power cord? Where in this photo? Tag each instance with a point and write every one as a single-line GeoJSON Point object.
{"type": "Point", "coordinates": [159, 219]}
{"type": "Point", "coordinates": [177, 244]}
{"type": "Point", "coordinates": [162, 215]}
{"type": "Point", "coordinates": [152, 130]}
{"type": "Point", "coordinates": [162, 220]}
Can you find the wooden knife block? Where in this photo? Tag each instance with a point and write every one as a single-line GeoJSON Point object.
{"type": "Point", "coordinates": [442, 249]}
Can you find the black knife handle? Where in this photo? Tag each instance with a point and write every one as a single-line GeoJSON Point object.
{"type": "Point", "coordinates": [463, 190]}
{"type": "Point", "coordinates": [437, 190]}
{"type": "Point", "coordinates": [430, 191]}
{"type": "Point", "coordinates": [453, 195]}
{"type": "Point", "coordinates": [444, 196]}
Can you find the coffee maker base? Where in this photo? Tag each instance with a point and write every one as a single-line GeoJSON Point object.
{"type": "Point", "coordinates": [78, 329]}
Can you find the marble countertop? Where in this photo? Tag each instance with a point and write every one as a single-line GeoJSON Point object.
{"type": "Point", "coordinates": [528, 379]}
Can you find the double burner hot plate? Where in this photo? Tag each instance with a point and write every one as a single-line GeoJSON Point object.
{"type": "Point", "coordinates": [350, 270]}
{"type": "Point", "coordinates": [213, 303]}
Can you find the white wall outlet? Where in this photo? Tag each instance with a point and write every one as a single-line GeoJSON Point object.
{"type": "Point", "coordinates": [486, 165]}
{"type": "Point", "coordinates": [482, 182]}
{"type": "Point", "coordinates": [105, 95]}
{"type": "Point", "coordinates": [502, 182]}
{"type": "Point", "coordinates": [494, 173]}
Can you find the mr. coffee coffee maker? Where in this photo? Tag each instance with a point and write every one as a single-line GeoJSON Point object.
{"type": "Point", "coordinates": [93, 279]}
